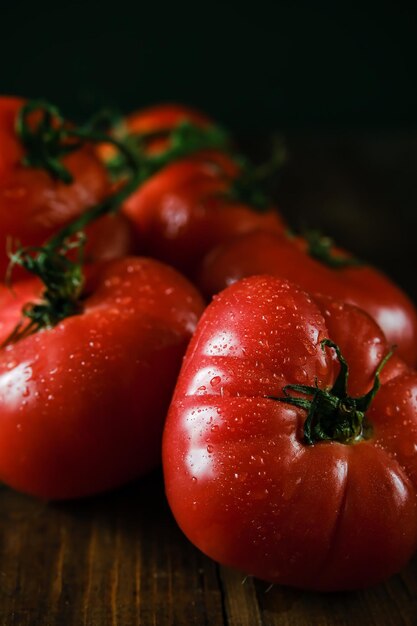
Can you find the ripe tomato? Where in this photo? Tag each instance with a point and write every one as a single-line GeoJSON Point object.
{"type": "Point", "coordinates": [82, 404]}
{"type": "Point", "coordinates": [364, 286]}
{"type": "Point", "coordinates": [182, 212]}
{"type": "Point", "coordinates": [158, 120]}
{"type": "Point", "coordinates": [163, 117]}
{"type": "Point", "coordinates": [153, 124]}
{"type": "Point", "coordinates": [33, 206]}
{"type": "Point", "coordinates": [315, 485]}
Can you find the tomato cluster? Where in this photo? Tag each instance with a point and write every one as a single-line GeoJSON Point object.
{"type": "Point", "coordinates": [289, 434]}
{"type": "Point", "coordinates": [33, 205]}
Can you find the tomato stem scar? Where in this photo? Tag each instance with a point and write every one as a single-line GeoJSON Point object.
{"type": "Point", "coordinates": [333, 415]}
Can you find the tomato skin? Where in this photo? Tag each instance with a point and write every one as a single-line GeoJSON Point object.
{"type": "Point", "coordinates": [34, 206]}
{"type": "Point", "coordinates": [181, 212]}
{"type": "Point", "coordinates": [241, 482]}
{"type": "Point", "coordinates": [110, 237]}
{"type": "Point", "coordinates": [82, 405]}
{"type": "Point", "coordinates": [163, 116]}
{"type": "Point", "coordinates": [364, 286]}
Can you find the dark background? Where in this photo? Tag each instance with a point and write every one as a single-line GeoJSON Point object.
{"type": "Point", "coordinates": [254, 66]}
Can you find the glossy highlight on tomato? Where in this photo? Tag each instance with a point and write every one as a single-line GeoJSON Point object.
{"type": "Point", "coordinates": [82, 404]}
{"type": "Point", "coordinates": [242, 481]}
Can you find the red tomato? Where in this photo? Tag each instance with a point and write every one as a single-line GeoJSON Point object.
{"type": "Point", "coordinates": [241, 479]}
{"type": "Point", "coordinates": [34, 206]}
{"type": "Point", "coordinates": [161, 118]}
{"type": "Point", "coordinates": [364, 286]}
{"type": "Point", "coordinates": [181, 212]}
{"type": "Point", "coordinates": [82, 405]}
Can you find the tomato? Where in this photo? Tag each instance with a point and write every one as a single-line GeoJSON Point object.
{"type": "Point", "coordinates": [163, 118]}
{"type": "Point", "coordinates": [33, 206]}
{"type": "Point", "coordinates": [186, 203]}
{"type": "Point", "coordinates": [154, 122]}
{"type": "Point", "coordinates": [312, 485]}
{"type": "Point", "coordinates": [183, 211]}
{"type": "Point", "coordinates": [82, 404]}
{"type": "Point", "coordinates": [362, 285]}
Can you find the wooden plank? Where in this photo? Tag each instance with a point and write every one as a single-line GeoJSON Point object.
{"type": "Point", "coordinates": [393, 603]}
{"type": "Point", "coordinates": [241, 605]}
{"type": "Point", "coordinates": [118, 559]}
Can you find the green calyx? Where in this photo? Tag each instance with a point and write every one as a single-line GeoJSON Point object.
{"type": "Point", "coordinates": [63, 279]}
{"type": "Point", "coordinates": [320, 248]}
{"type": "Point", "coordinates": [47, 137]}
{"type": "Point", "coordinates": [51, 138]}
{"type": "Point", "coordinates": [46, 141]}
{"type": "Point", "coordinates": [185, 140]}
{"type": "Point", "coordinates": [332, 415]}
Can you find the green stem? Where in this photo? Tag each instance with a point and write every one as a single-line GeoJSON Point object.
{"type": "Point", "coordinates": [320, 248]}
{"type": "Point", "coordinates": [63, 278]}
{"type": "Point", "coordinates": [184, 140]}
{"type": "Point", "coordinates": [45, 141]}
{"type": "Point", "coordinates": [109, 204]}
{"type": "Point", "coordinates": [332, 415]}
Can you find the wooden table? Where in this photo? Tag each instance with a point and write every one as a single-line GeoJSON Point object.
{"type": "Point", "coordinates": [119, 559]}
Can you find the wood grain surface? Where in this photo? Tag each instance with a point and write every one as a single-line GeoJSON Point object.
{"type": "Point", "coordinates": [119, 559]}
